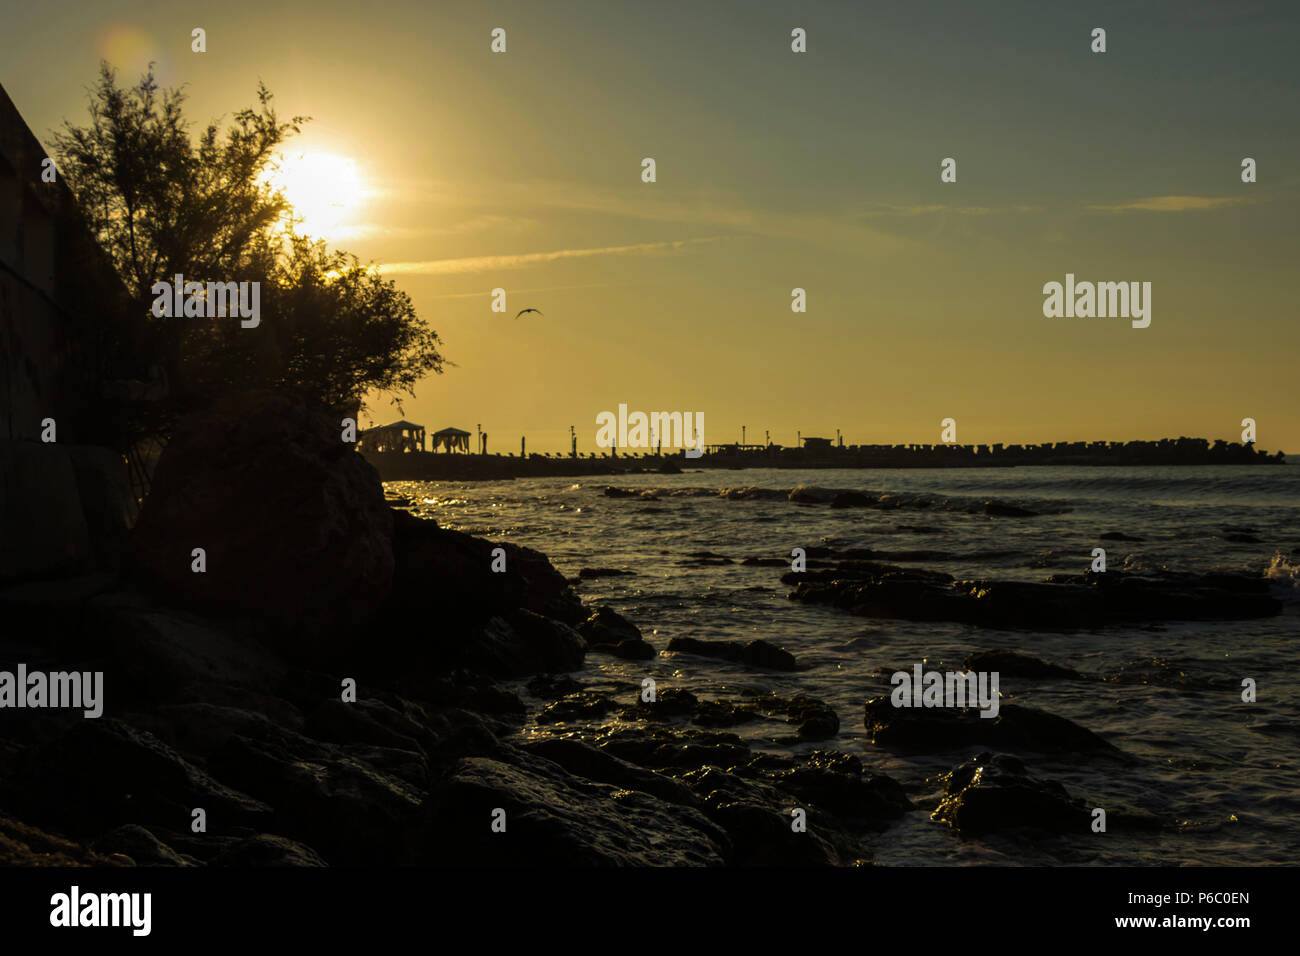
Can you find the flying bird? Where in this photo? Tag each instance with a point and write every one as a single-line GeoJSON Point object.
{"type": "Point", "coordinates": [522, 311]}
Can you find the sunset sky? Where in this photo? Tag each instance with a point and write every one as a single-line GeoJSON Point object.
{"type": "Point", "coordinates": [458, 170]}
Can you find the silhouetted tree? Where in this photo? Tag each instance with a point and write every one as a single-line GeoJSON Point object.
{"type": "Point", "coordinates": [162, 204]}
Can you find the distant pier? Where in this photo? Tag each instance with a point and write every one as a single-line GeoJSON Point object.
{"type": "Point", "coordinates": [433, 466]}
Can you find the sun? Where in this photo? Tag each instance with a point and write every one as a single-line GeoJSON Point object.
{"type": "Point", "coordinates": [325, 190]}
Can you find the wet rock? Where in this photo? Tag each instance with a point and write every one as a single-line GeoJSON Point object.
{"type": "Point", "coordinates": [293, 521]}
{"type": "Point", "coordinates": [104, 773]}
{"type": "Point", "coordinates": [852, 499]}
{"type": "Point", "coordinates": [160, 654]}
{"type": "Point", "coordinates": [938, 729]}
{"type": "Point", "coordinates": [22, 844]}
{"type": "Point", "coordinates": [612, 492]}
{"type": "Point", "coordinates": [668, 704]}
{"type": "Point", "coordinates": [586, 761]}
{"type": "Point", "coordinates": [366, 722]}
{"type": "Point", "coordinates": [587, 574]}
{"type": "Point", "coordinates": [756, 653]}
{"type": "Point", "coordinates": [837, 782]}
{"type": "Point", "coordinates": [659, 748]}
{"type": "Point", "coordinates": [551, 815]}
{"type": "Point", "coordinates": [630, 650]}
{"type": "Point", "coordinates": [815, 719]}
{"type": "Point", "coordinates": [553, 686]}
{"type": "Point", "coordinates": [1118, 536]}
{"type": "Point", "coordinates": [607, 626]}
{"type": "Point", "coordinates": [1010, 663]}
{"type": "Point", "coordinates": [582, 705]}
{"type": "Point", "coordinates": [346, 809]}
{"type": "Point", "coordinates": [444, 583]}
{"type": "Point", "coordinates": [809, 494]}
{"type": "Point", "coordinates": [757, 818]}
{"type": "Point", "coordinates": [266, 849]}
{"type": "Point", "coordinates": [999, 509]}
{"type": "Point", "coordinates": [611, 633]}
{"type": "Point", "coordinates": [1064, 601]}
{"type": "Point", "coordinates": [993, 792]}
{"type": "Point", "coordinates": [726, 713]}
{"type": "Point", "coordinates": [141, 846]}
{"type": "Point", "coordinates": [521, 644]}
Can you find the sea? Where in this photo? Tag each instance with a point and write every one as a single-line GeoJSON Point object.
{"type": "Point", "coordinates": [1222, 772]}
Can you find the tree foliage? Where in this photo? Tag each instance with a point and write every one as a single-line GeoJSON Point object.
{"type": "Point", "coordinates": [162, 202]}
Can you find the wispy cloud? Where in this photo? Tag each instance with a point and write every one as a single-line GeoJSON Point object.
{"type": "Point", "coordinates": [1170, 204]}
{"type": "Point", "coordinates": [496, 263]}
{"type": "Point", "coordinates": [896, 209]}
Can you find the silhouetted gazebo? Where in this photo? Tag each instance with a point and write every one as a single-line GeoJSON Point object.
{"type": "Point", "coordinates": [399, 436]}
{"type": "Point", "coordinates": [453, 439]}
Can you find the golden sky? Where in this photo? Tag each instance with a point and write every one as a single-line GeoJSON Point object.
{"type": "Point", "coordinates": [458, 170]}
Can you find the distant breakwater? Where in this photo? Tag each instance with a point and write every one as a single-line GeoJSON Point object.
{"type": "Point", "coordinates": [430, 466]}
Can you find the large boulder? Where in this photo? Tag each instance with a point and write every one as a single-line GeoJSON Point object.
{"type": "Point", "coordinates": [292, 520]}
{"type": "Point", "coordinates": [104, 773]}
{"type": "Point", "coordinates": [553, 817]}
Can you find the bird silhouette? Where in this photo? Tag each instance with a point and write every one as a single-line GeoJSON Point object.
{"type": "Point", "coordinates": [522, 311]}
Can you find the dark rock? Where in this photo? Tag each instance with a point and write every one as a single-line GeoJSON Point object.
{"type": "Point", "coordinates": [366, 722]}
{"type": "Point", "coordinates": [140, 845]}
{"type": "Point", "coordinates": [1001, 510]}
{"type": "Point", "coordinates": [1017, 664]}
{"type": "Point", "coordinates": [993, 792]}
{"type": "Point", "coordinates": [104, 773]}
{"type": "Point", "coordinates": [612, 492]}
{"type": "Point", "coordinates": [160, 654]}
{"type": "Point", "coordinates": [809, 494]}
{"type": "Point", "coordinates": [1118, 536]}
{"type": "Point", "coordinates": [758, 819]}
{"type": "Point", "coordinates": [266, 849]}
{"type": "Point", "coordinates": [838, 783]}
{"type": "Point", "coordinates": [938, 729]}
{"type": "Point", "coordinates": [816, 719]}
{"type": "Point", "coordinates": [756, 653]}
{"type": "Point", "coordinates": [584, 760]}
{"type": "Point", "coordinates": [293, 521]}
{"type": "Point", "coordinates": [630, 650]}
{"type": "Point", "coordinates": [23, 845]}
{"type": "Point", "coordinates": [607, 626]}
{"type": "Point", "coordinates": [582, 705]}
{"type": "Point", "coordinates": [447, 576]}
{"type": "Point", "coordinates": [523, 643]}
{"type": "Point", "coordinates": [553, 685]}
{"type": "Point", "coordinates": [346, 809]}
{"type": "Point", "coordinates": [668, 704]}
{"type": "Point", "coordinates": [553, 816]}
{"type": "Point", "coordinates": [586, 574]}
{"type": "Point", "coordinates": [852, 499]}
{"type": "Point", "coordinates": [1065, 601]}
{"type": "Point", "coordinates": [660, 748]}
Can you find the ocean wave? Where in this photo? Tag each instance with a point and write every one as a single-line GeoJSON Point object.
{"type": "Point", "coordinates": [852, 498]}
{"type": "Point", "coordinates": [1284, 575]}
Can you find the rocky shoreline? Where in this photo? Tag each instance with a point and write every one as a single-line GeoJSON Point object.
{"type": "Point", "coordinates": [345, 684]}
